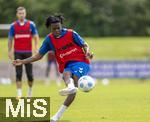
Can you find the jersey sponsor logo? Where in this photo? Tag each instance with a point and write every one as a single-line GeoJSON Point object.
{"type": "Point", "coordinates": [66, 46]}
{"type": "Point", "coordinates": [68, 53]}
{"type": "Point", "coordinates": [22, 36]}
{"type": "Point", "coordinates": [25, 31]}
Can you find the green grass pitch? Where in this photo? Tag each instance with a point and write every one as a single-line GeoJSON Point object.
{"type": "Point", "coordinates": [121, 101]}
{"type": "Point", "coordinates": [106, 48]}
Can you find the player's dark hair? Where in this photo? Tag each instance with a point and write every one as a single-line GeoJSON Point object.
{"type": "Point", "coordinates": [54, 19]}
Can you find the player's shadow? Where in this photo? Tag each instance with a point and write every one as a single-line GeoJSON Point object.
{"type": "Point", "coordinates": [60, 121]}
{"type": "Point", "coordinates": [64, 121]}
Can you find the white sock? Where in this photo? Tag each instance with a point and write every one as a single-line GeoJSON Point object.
{"type": "Point", "coordinates": [59, 113]}
{"type": "Point", "coordinates": [71, 83]}
{"type": "Point", "coordinates": [29, 91]}
{"type": "Point", "coordinates": [19, 92]}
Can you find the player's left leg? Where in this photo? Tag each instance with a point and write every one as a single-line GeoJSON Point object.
{"type": "Point", "coordinates": [29, 73]}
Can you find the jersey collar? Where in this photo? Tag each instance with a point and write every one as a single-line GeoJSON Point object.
{"type": "Point", "coordinates": [25, 21]}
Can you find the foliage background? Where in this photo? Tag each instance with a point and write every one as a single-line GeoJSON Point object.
{"type": "Point", "coordinates": [88, 17]}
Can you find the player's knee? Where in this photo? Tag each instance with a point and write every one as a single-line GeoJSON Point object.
{"type": "Point", "coordinates": [66, 76]}
{"type": "Point", "coordinates": [30, 78]}
{"type": "Point", "coordinates": [18, 77]}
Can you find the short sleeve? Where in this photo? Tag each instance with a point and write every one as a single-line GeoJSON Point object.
{"type": "Point", "coordinates": [33, 28]}
{"type": "Point", "coordinates": [46, 46]}
{"type": "Point", "coordinates": [11, 31]}
{"type": "Point", "coordinates": [78, 39]}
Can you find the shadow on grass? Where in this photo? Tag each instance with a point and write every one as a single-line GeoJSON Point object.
{"type": "Point", "coordinates": [64, 121]}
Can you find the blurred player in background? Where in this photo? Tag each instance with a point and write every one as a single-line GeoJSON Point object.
{"type": "Point", "coordinates": [51, 61]}
{"type": "Point", "coordinates": [22, 31]}
{"type": "Point", "coordinates": [72, 55]}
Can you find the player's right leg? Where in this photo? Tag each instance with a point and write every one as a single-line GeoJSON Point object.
{"type": "Point", "coordinates": [70, 98]}
{"type": "Point", "coordinates": [18, 76]}
{"type": "Point", "coordinates": [70, 91]}
{"type": "Point", "coordinates": [72, 73]}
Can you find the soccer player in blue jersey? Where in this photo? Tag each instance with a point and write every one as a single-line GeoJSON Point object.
{"type": "Point", "coordinates": [72, 54]}
{"type": "Point", "coordinates": [20, 45]}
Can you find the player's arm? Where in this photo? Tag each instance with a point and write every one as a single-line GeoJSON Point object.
{"type": "Point", "coordinates": [35, 37]}
{"type": "Point", "coordinates": [79, 41]}
{"type": "Point", "coordinates": [10, 42]}
{"type": "Point", "coordinates": [34, 58]}
{"type": "Point", "coordinates": [10, 50]}
{"type": "Point", "coordinates": [36, 43]}
{"type": "Point", "coordinates": [87, 51]}
{"type": "Point", "coordinates": [43, 50]}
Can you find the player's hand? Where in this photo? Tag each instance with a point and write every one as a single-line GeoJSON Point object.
{"type": "Point", "coordinates": [10, 55]}
{"type": "Point", "coordinates": [17, 62]}
{"type": "Point", "coordinates": [35, 51]}
{"type": "Point", "coordinates": [89, 55]}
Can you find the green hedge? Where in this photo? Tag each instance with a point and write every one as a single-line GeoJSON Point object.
{"type": "Point", "coordinates": [88, 17]}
